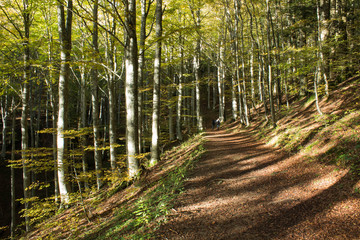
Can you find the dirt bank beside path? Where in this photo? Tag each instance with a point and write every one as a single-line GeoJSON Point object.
{"type": "Point", "coordinates": [244, 189]}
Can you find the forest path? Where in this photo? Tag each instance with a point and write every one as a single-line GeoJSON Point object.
{"type": "Point", "coordinates": [242, 188]}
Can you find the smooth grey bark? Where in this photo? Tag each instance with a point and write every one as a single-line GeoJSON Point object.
{"type": "Point", "coordinates": [237, 7]}
{"type": "Point", "coordinates": [112, 122]}
{"type": "Point", "coordinates": [270, 84]}
{"type": "Point", "coordinates": [51, 93]}
{"type": "Point", "coordinates": [95, 99]}
{"type": "Point", "coordinates": [4, 118]}
{"type": "Point", "coordinates": [323, 18]}
{"type": "Point", "coordinates": [192, 101]}
{"type": "Point", "coordinates": [320, 60]}
{"type": "Point", "coordinates": [131, 89]}
{"type": "Point", "coordinates": [244, 98]}
{"type": "Point", "coordinates": [12, 172]}
{"type": "Point", "coordinates": [252, 82]}
{"type": "Point", "coordinates": [145, 7]}
{"type": "Point", "coordinates": [64, 27]}
{"type": "Point", "coordinates": [112, 61]}
{"type": "Point", "coordinates": [155, 138]}
{"type": "Point", "coordinates": [179, 104]}
{"type": "Point", "coordinates": [83, 113]}
{"type": "Point", "coordinates": [199, 119]}
{"type": "Point", "coordinates": [172, 135]}
{"type": "Point", "coordinates": [221, 79]}
{"type": "Point", "coordinates": [234, 105]}
{"type": "Point", "coordinates": [233, 35]}
{"type": "Point", "coordinates": [214, 90]}
{"type": "Point", "coordinates": [24, 113]}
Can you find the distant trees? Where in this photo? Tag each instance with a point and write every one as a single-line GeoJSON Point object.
{"type": "Point", "coordinates": [109, 84]}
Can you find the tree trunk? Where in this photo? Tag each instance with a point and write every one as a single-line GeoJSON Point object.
{"type": "Point", "coordinates": [131, 89]}
{"type": "Point", "coordinates": [24, 113]}
{"type": "Point", "coordinates": [50, 86]}
{"type": "Point", "coordinates": [13, 189]}
{"type": "Point", "coordinates": [171, 74]}
{"type": "Point", "coordinates": [4, 118]}
{"type": "Point", "coordinates": [144, 13]}
{"type": "Point", "coordinates": [221, 75]}
{"type": "Point", "coordinates": [237, 6]}
{"type": "Point", "coordinates": [83, 114]}
{"type": "Point", "coordinates": [155, 138]}
{"type": "Point", "coordinates": [179, 135]}
{"type": "Point", "coordinates": [64, 25]}
{"type": "Point", "coordinates": [112, 104]}
{"type": "Point", "coordinates": [270, 85]}
{"type": "Point", "coordinates": [197, 73]}
{"type": "Point", "coordinates": [95, 99]}
{"type": "Point", "coordinates": [323, 17]}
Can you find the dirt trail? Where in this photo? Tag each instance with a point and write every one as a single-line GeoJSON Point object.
{"type": "Point", "coordinates": [244, 189]}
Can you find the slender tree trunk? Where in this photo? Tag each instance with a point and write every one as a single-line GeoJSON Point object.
{"type": "Point", "coordinates": [83, 115]}
{"type": "Point", "coordinates": [95, 99]}
{"type": "Point", "coordinates": [179, 104]}
{"type": "Point", "coordinates": [221, 75]}
{"type": "Point", "coordinates": [131, 89]}
{"type": "Point", "coordinates": [24, 113]}
{"type": "Point", "coordinates": [192, 102]}
{"type": "Point", "coordinates": [144, 13]}
{"type": "Point", "coordinates": [234, 105]}
{"type": "Point", "coordinates": [270, 85]}
{"type": "Point", "coordinates": [320, 60]}
{"type": "Point", "coordinates": [323, 18]}
{"type": "Point", "coordinates": [252, 74]}
{"type": "Point", "coordinates": [4, 118]}
{"type": "Point", "coordinates": [171, 74]}
{"type": "Point", "coordinates": [209, 87]}
{"type": "Point", "coordinates": [233, 36]}
{"type": "Point", "coordinates": [214, 90]}
{"type": "Point", "coordinates": [111, 77]}
{"type": "Point", "coordinates": [112, 110]}
{"type": "Point", "coordinates": [53, 104]}
{"type": "Point", "coordinates": [13, 189]}
{"type": "Point", "coordinates": [197, 74]}
{"type": "Point", "coordinates": [155, 140]}
{"type": "Point", "coordinates": [237, 6]}
{"type": "Point", "coordinates": [244, 97]}
{"type": "Point", "coordinates": [64, 25]}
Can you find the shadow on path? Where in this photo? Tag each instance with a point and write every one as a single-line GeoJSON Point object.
{"type": "Point", "coordinates": [244, 189]}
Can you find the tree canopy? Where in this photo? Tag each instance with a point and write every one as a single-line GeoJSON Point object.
{"type": "Point", "coordinates": [94, 81]}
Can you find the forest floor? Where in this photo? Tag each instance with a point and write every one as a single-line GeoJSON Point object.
{"type": "Point", "coordinates": [300, 180]}
{"type": "Point", "coordinates": [242, 188]}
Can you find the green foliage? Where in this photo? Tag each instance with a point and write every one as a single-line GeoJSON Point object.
{"type": "Point", "coordinates": [149, 211]}
{"type": "Point", "coordinates": [40, 209]}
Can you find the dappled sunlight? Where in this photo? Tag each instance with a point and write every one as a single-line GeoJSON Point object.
{"type": "Point", "coordinates": [243, 187]}
{"type": "Point", "coordinates": [326, 181]}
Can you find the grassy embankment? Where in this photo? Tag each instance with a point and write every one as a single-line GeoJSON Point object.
{"type": "Point", "coordinates": [130, 213]}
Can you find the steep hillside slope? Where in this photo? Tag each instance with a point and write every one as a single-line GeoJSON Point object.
{"type": "Point", "coordinates": [127, 212]}
{"type": "Point", "coordinates": [305, 178]}
{"type": "Point", "coordinates": [333, 137]}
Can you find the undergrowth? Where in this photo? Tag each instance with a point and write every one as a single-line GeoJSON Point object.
{"type": "Point", "coordinates": [329, 138]}
{"type": "Point", "coordinates": [150, 210]}
{"type": "Point", "coordinates": [144, 205]}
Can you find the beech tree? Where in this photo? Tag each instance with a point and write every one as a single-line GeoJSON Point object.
{"type": "Point", "coordinates": [94, 97]}
{"type": "Point", "coordinates": [243, 57]}
{"type": "Point", "coordinates": [65, 28]}
{"type": "Point", "coordinates": [155, 154]}
{"type": "Point", "coordinates": [131, 88]}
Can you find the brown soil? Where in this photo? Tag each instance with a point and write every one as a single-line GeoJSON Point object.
{"type": "Point", "coordinates": [244, 189]}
